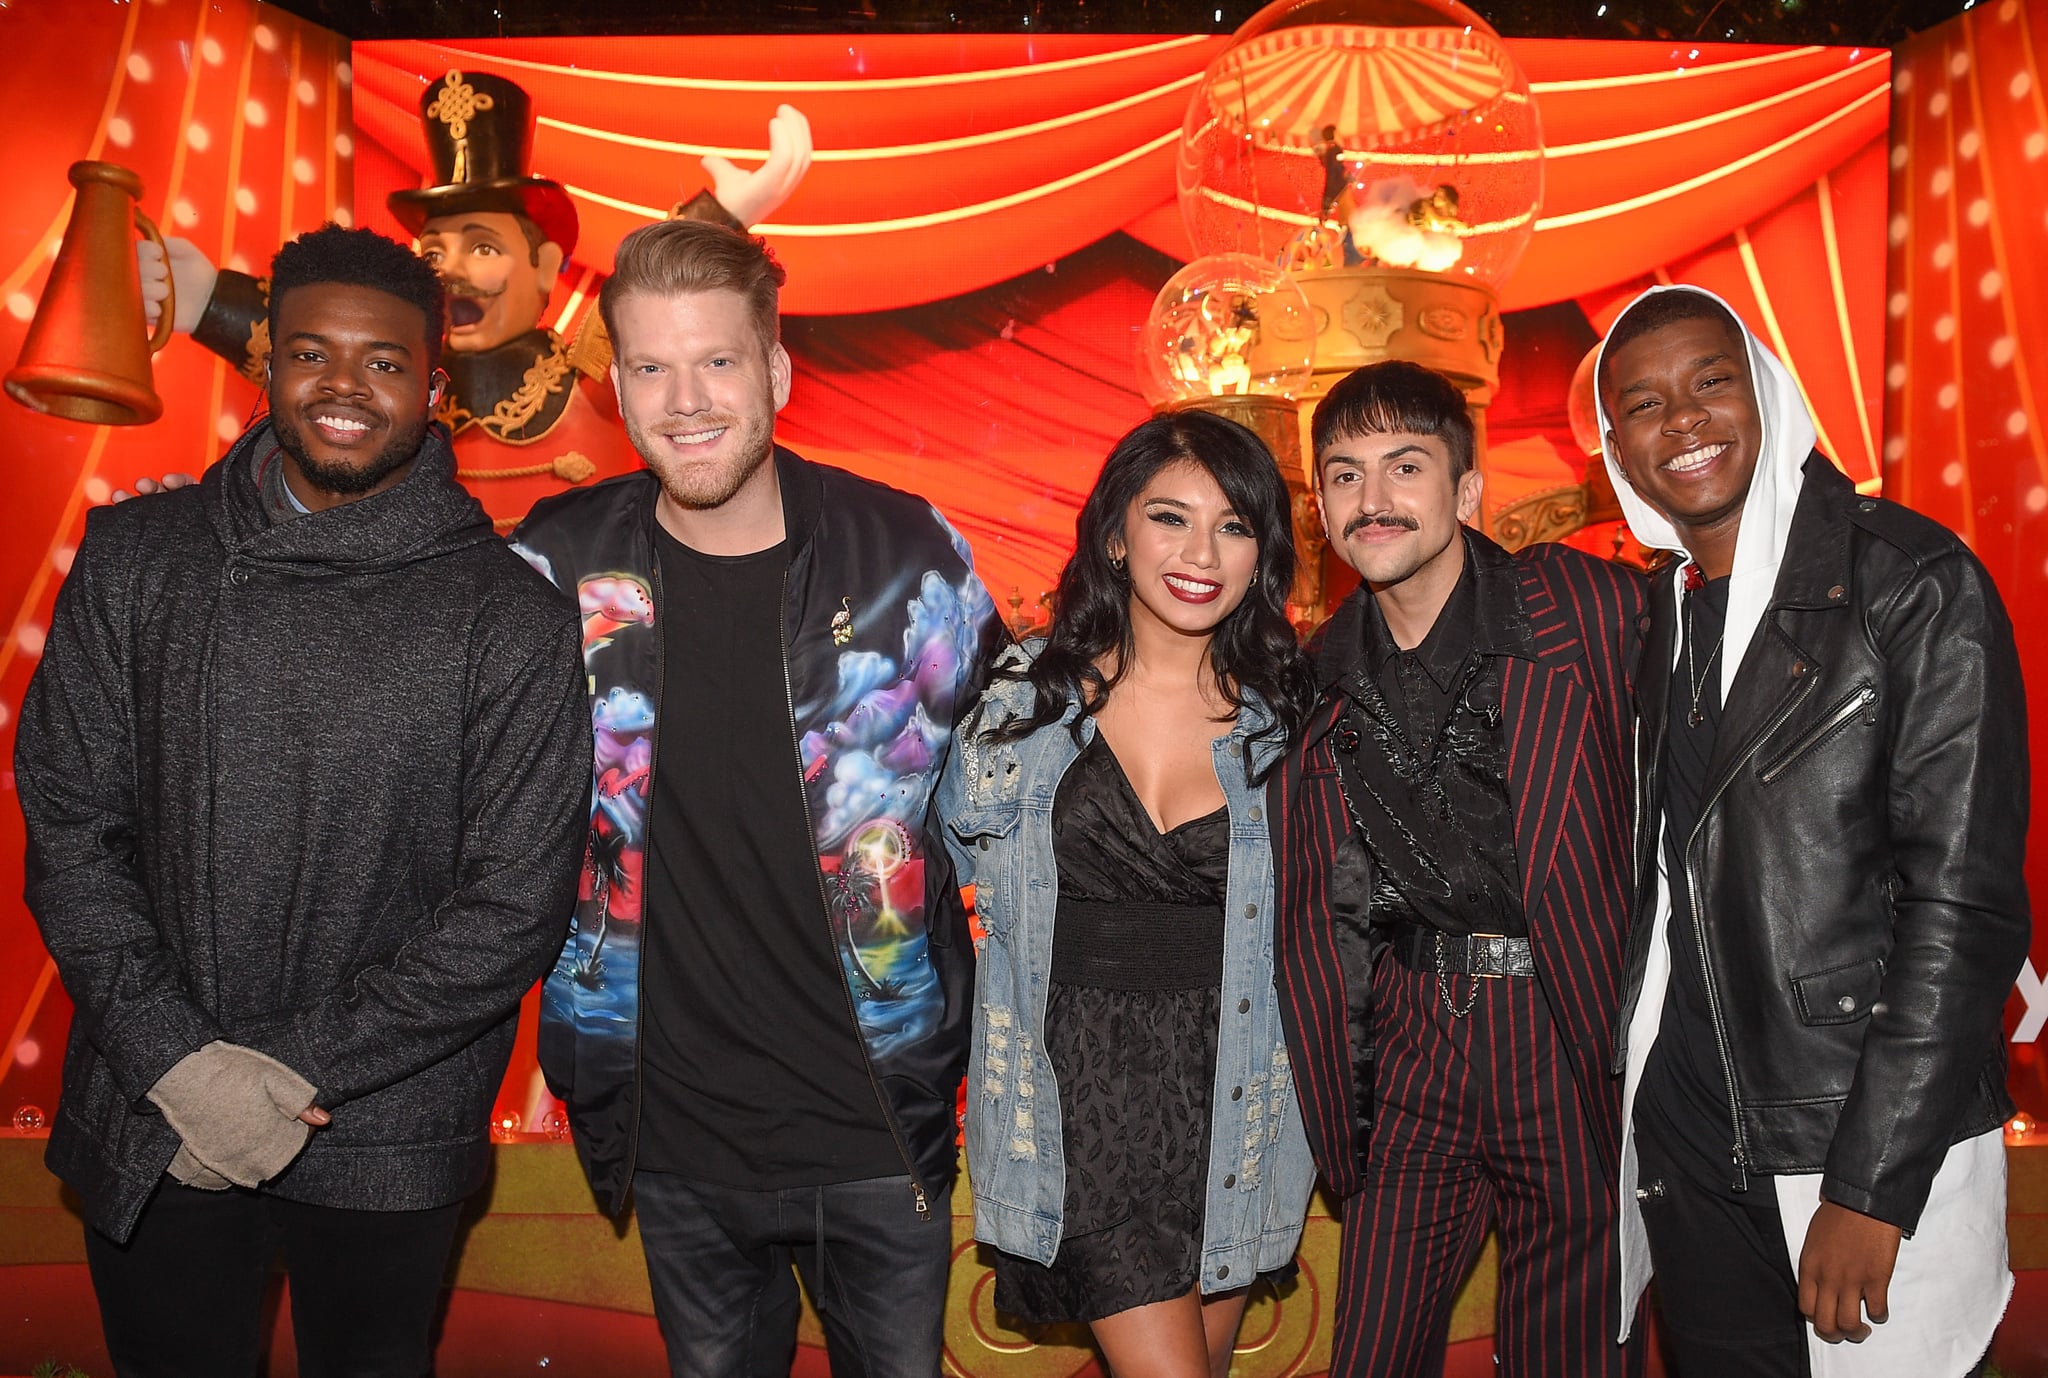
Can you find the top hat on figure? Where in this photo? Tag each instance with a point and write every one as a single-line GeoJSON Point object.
{"type": "Point", "coordinates": [479, 130]}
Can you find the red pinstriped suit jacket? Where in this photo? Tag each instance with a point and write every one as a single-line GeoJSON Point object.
{"type": "Point", "coordinates": [1565, 696]}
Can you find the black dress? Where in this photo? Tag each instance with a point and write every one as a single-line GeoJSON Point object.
{"type": "Point", "coordinates": [1130, 1028]}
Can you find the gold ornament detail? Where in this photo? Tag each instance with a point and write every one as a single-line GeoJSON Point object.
{"type": "Point", "coordinates": [590, 349]}
{"type": "Point", "coordinates": [1546, 516]}
{"type": "Point", "coordinates": [256, 354]}
{"type": "Point", "coordinates": [842, 623]}
{"type": "Point", "coordinates": [571, 466]}
{"type": "Point", "coordinates": [1373, 316]}
{"type": "Point", "coordinates": [1491, 336]}
{"type": "Point", "coordinates": [509, 417]}
{"type": "Point", "coordinates": [457, 102]}
{"type": "Point", "coordinates": [1446, 323]}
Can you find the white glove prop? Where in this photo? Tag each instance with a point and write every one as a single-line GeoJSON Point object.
{"type": "Point", "coordinates": [749, 197]}
{"type": "Point", "coordinates": [188, 270]}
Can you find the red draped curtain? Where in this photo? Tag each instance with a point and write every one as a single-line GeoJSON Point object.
{"type": "Point", "coordinates": [978, 239]}
{"type": "Point", "coordinates": [947, 165]}
{"type": "Point", "coordinates": [1966, 352]}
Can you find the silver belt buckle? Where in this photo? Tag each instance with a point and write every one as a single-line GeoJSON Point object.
{"type": "Point", "coordinates": [1496, 948]}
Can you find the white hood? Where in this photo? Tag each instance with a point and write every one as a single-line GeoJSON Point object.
{"type": "Point", "coordinates": [1788, 438]}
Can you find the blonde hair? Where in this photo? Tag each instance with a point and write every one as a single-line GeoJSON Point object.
{"type": "Point", "coordinates": [674, 257]}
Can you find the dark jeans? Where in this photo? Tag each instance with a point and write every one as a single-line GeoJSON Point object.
{"type": "Point", "coordinates": [184, 1295]}
{"type": "Point", "coordinates": [719, 1259]}
{"type": "Point", "coordinates": [1727, 1292]}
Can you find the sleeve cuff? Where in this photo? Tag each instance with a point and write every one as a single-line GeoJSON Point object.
{"type": "Point", "coordinates": [153, 1038]}
{"type": "Point", "coordinates": [705, 206]}
{"type": "Point", "coordinates": [1892, 1207]}
{"type": "Point", "coordinates": [236, 325]}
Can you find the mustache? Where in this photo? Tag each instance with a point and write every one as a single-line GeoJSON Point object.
{"type": "Point", "coordinates": [1396, 519]}
{"type": "Point", "coordinates": [456, 287]}
{"type": "Point", "coordinates": [707, 422]}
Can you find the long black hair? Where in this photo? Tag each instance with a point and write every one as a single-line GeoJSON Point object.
{"type": "Point", "coordinates": [1253, 648]}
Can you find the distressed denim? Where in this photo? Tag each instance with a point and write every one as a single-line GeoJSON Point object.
{"type": "Point", "coordinates": [995, 801]}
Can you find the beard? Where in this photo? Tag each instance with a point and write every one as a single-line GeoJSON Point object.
{"type": "Point", "coordinates": [701, 485]}
{"type": "Point", "coordinates": [349, 480]}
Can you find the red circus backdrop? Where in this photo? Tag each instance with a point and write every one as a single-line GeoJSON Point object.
{"type": "Point", "coordinates": [984, 227]}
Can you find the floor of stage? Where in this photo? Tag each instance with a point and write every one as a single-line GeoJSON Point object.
{"type": "Point", "coordinates": [545, 1285]}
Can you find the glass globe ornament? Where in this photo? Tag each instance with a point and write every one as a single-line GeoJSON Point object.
{"type": "Point", "coordinates": [29, 1119]}
{"type": "Point", "coordinates": [1335, 133]}
{"type": "Point", "coordinates": [1227, 325]}
{"type": "Point", "coordinates": [506, 1124]}
{"type": "Point", "coordinates": [555, 1124]}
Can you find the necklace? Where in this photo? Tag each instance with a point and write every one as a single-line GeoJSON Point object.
{"type": "Point", "coordinates": [1698, 678]}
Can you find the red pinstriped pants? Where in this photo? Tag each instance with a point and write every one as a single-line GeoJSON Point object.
{"type": "Point", "coordinates": [1476, 1123]}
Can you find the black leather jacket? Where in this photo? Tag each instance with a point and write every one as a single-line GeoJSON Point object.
{"type": "Point", "coordinates": [1857, 861]}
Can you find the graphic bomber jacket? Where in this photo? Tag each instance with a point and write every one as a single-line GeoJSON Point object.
{"type": "Point", "coordinates": [887, 635]}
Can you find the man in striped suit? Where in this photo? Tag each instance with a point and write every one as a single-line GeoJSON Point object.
{"type": "Point", "coordinates": [1452, 844]}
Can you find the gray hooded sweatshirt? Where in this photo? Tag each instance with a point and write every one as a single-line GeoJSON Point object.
{"type": "Point", "coordinates": [318, 787]}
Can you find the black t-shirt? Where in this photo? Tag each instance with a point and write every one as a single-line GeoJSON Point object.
{"type": "Point", "coordinates": [1684, 1100]}
{"type": "Point", "coordinates": [751, 1071]}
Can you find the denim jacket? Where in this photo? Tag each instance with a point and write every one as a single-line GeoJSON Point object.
{"type": "Point", "coordinates": [996, 801]}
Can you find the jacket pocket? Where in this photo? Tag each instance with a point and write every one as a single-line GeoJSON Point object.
{"type": "Point", "coordinates": [991, 834]}
{"type": "Point", "coordinates": [1859, 702]}
{"type": "Point", "coordinates": [1839, 995]}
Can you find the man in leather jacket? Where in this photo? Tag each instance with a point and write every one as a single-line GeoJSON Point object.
{"type": "Point", "coordinates": [1830, 911]}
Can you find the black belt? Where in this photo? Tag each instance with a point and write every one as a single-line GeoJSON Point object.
{"type": "Point", "coordinates": [1137, 946]}
{"type": "Point", "coordinates": [1431, 951]}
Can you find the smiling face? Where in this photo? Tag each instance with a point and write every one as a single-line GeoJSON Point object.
{"type": "Point", "coordinates": [698, 389]}
{"type": "Point", "coordinates": [349, 388]}
{"type": "Point", "coordinates": [1683, 420]}
{"type": "Point", "coordinates": [1391, 506]}
{"type": "Point", "coordinates": [1187, 552]}
{"type": "Point", "coordinates": [497, 281]}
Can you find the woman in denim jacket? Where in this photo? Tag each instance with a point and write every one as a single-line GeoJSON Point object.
{"type": "Point", "coordinates": [1136, 1151]}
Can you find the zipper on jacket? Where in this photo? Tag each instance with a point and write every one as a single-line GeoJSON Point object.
{"type": "Point", "coordinates": [646, 834]}
{"type": "Point", "coordinates": [1646, 789]}
{"type": "Point", "coordinates": [1842, 715]}
{"type": "Point", "coordinates": [917, 1194]}
{"type": "Point", "coordinates": [1739, 1152]}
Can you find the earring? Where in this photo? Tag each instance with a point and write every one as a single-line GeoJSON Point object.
{"type": "Point", "coordinates": [1116, 562]}
{"type": "Point", "coordinates": [1255, 576]}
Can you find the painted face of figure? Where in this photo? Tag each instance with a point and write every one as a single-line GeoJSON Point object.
{"type": "Point", "coordinates": [497, 282]}
{"type": "Point", "coordinates": [698, 389]}
{"type": "Point", "coordinates": [1683, 420]}
{"type": "Point", "coordinates": [349, 388]}
{"type": "Point", "coordinates": [1390, 505]}
{"type": "Point", "coordinates": [1190, 557]}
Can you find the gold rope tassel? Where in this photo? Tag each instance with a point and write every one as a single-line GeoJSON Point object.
{"type": "Point", "coordinates": [571, 467]}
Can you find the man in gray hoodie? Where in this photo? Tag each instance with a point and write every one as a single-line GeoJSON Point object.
{"type": "Point", "coordinates": [305, 770]}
